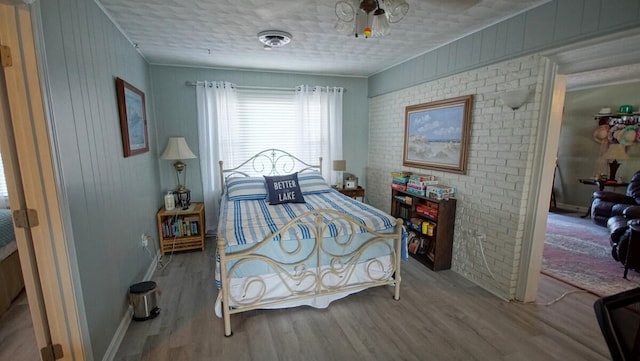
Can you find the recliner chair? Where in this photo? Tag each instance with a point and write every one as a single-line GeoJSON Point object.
{"type": "Point", "coordinates": [625, 239]}
{"type": "Point", "coordinates": [619, 321]}
{"type": "Point", "coordinates": [607, 204]}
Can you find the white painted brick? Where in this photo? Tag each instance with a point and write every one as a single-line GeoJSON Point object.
{"type": "Point", "coordinates": [492, 195]}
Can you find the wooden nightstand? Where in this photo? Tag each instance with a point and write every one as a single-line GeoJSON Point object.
{"type": "Point", "coordinates": [353, 193]}
{"type": "Point", "coordinates": [181, 230]}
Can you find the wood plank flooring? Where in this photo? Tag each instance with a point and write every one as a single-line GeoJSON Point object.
{"type": "Point", "coordinates": [17, 338]}
{"type": "Point", "coordinates": [440, 316]}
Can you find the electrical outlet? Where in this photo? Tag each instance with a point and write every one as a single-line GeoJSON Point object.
{"type": "Point", "coordinates": [145, 240]}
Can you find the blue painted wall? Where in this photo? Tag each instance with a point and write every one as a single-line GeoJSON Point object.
{"type": "Point", "coordinates": [112, 199]}
{"type": "Point", "coordinates": [175, 105]}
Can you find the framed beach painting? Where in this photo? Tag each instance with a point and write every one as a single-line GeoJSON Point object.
{"type": "Point", "coordinates": [436, 135]}
{"type": "Point", "coordinates": [133, 118]}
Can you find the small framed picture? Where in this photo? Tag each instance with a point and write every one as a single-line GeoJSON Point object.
{"type": "Point", "coordinates": [133, 118]}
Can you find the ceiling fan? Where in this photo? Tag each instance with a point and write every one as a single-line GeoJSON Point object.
{"type": "Point", "coordinates": [373, 17]}
{"type": "Point", "coordinates": [269, 10]}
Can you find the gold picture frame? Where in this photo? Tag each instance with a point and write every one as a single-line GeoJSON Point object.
{"type": "Point", "coordinates": [437, 135]}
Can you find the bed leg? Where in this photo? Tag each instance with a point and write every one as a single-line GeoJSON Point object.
{"type": "Point", "coordinates": [227, 321]}
{"type": "Point", "coordinates": [226, 316]}
{"type": "Point", "coordinates": [398, 258]}
{"type": "Point", "coordinates": [225, 288]}
{"type": "Point", "coordinates": [396, 295]}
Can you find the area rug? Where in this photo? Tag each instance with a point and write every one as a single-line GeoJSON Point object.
{"type": "Point", "coordinates": [577, 251]}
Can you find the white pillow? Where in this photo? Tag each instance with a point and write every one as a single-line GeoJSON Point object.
{"type": "Point", "coordinates": [246, 188]}
{"type": "Point", "coordinates": [312, 182]}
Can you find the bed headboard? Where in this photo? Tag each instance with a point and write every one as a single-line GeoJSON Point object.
{"type": "Point", "coordinates": [268, 162]}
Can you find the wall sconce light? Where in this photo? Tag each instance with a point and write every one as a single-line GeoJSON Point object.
{"type": "Point", "coordinates": [514, 99]}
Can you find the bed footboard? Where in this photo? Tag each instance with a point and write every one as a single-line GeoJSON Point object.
{"type": "Point", "coordinates": [336, 256]}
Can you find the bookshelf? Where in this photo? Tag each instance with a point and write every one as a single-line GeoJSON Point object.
{"type": "Point", "coordinates": [430, 225]}
{"type": "Point", "coordinates": [181, 230]}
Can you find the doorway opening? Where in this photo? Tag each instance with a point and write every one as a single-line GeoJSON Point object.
{"type": "Point", "coordinates": [583, 68]}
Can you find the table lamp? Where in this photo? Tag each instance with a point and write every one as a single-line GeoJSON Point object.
{"type": "Point", "coordinates": [615, 152]}
{"type": "Point", "coordinates": [339, 166]}
{"type": "Point", "coordinates": [177, 149]}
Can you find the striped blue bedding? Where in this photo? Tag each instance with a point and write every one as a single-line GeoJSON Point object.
{"type": "Point", "coordinates": [249, 221]}
{"type": "Point", "coordinates": [242, 223]}
{"type": "Point", "coordinates": [6, 227]}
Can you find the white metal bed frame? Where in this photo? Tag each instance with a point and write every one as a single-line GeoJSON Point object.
{"type": "Point", "coordinates": [295, 271]}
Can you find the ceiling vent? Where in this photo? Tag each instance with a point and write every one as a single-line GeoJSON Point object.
{"type": "Point", "coordinates": [274, 38]}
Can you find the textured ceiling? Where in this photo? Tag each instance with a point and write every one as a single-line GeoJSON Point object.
{"type": "Point", "coordinates": [223, 33]}
{"type": "Point", "coordinates": [606, 60]}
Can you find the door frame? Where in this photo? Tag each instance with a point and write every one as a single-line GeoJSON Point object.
{"type": "Point", "coordinates": [592, 54]}
{"type": "Point", "coordinates": [46, 250]}
{"type": "Point", "coordinates": [544, 165]}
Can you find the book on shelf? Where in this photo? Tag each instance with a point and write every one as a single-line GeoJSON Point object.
{"type": "Point", "coordinates": [180, 226]}
{"type": "Point", "coordinates": [414, 243]}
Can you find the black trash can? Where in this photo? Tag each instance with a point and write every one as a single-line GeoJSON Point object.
{"type": "Point", "coordinates": [143, 299]}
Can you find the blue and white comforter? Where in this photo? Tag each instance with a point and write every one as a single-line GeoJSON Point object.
{"type": "Point", "coordinates": [250, 221]}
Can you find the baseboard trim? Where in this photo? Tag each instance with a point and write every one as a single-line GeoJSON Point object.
{"type": "Point", "coordinates": [572, 207]}
{"type": "Point", "coordinates": [112, 350]}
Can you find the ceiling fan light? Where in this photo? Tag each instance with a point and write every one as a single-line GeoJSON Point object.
{"type": "Point", "coordinates": [345, 27]}
{"type": "Point", "coordinates": [368, 5]}
{"type": "Point", "coordinates": [396, 9]}
{"type": "Point", "coordinates": [365, 18]}
{"type": "Point", "coordinates": [345, 10]}
{"type": "Point", "coordinates": [380, 25]}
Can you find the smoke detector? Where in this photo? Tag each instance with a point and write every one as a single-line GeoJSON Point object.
{"type": "Point", "coordinates": [274, 38]}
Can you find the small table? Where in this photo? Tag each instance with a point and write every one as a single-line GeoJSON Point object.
{"type": "Point", "coordinates": [601, 184]}
{"type": "Point", "coordinates": [353, 192]}
{"type": "Point", "coordinates": [181, 229]}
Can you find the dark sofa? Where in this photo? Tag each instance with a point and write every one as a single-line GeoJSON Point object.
{"type": "Point", "coordinates": [607, 204]}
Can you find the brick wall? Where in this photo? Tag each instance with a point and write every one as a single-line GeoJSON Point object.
{"type": "Point", "coordinates": [492, 196]}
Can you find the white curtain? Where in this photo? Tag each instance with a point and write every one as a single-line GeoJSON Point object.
{"type": "Point", "coordinates": [216, 110]}
{"type": "Point", "coordinates": [320, 110]}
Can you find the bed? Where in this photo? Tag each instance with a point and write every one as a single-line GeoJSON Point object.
{"type": "Point", "coordinates": [11, 281]}
{"type": "Point", "coordinates": [275, 252]}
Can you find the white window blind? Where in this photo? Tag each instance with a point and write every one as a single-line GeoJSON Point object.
{"type": "Point", "coordinates": [270, 119]}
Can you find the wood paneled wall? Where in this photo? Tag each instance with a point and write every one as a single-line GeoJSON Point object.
{"type": "Point", "coordinates": [556, 23]}
{"type": "Point", "coordinates": [112, 200]}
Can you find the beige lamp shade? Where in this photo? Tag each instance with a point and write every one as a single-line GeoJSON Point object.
{"type": "Point", "coordinates": [616, 151]}
{"type": "Point", "coordinates": [177, 148]}
{"type": "Point", "coordinates": [340, 165]}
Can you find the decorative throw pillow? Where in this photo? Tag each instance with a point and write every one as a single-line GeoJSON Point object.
{"type": "Point", "coordinates": [246, 188]}
{"type": "Point", "coordinates": [312, 183]}
{"type": "Point", "coordinates": [284, 189]}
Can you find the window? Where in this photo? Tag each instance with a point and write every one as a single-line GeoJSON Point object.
{"type": "Point", "coordinates": [271, 119]}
